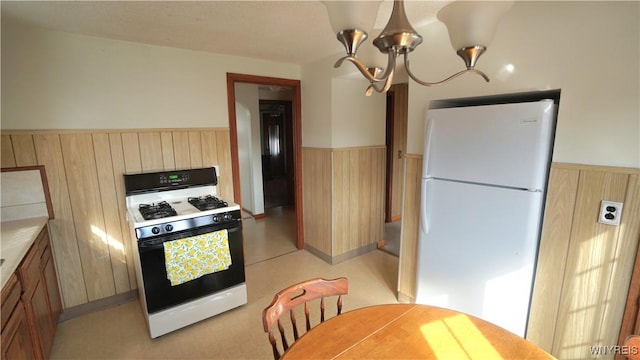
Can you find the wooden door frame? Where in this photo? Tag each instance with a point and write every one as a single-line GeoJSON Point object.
{"type": "Point", "coordinates": [395, 104]}
{"type": "Point", "coordinates": [389, 121]}
{"type": "Point", "coordinates": [296, 118]}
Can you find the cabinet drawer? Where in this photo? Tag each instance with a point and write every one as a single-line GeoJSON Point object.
{"type": "Point", "coordinates": [10, 297]}
{"type": "Point", "coordinates": [29, 270]}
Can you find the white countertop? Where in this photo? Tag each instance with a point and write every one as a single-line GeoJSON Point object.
{"type": "Point", "coordinates": [16, 237]}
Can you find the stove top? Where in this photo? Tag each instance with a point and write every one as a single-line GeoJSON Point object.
{"type": "Point", "coordinates": [169, 196]}
{"type": "Point", "coordinates": [207, 202]}
{"type": "Point", "coordinates": [169, 206]}
{"type": "Point", "coordinates": [156, 211]}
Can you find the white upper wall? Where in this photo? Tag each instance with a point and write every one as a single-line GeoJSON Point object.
{"type": "Point", "coordinates": [249, 152]}
{"type": "Point", "coordinates": [356, 120]}
{"type": "Point", "coordinates": [335, 111]}
{"type": "Point", "coordinates": [588, 50]}
{"type": "Point", "coordinates": [316, 104]}
{"type": "Point", "coordinates": [55, 80]}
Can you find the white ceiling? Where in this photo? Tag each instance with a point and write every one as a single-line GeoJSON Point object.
{"type": "Point", "coordinates": [286, 31]}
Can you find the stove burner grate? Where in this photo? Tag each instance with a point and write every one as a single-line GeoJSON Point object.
{"type": "Point", "coordinates": [156, 211]}
{"type": "Point", "coordinates": [207, 202]}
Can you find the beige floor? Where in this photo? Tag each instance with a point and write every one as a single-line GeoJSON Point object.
{"type": "Point", "coordinates": [271, 236]}
{"type": "Point", "coordinates": [120, 332]}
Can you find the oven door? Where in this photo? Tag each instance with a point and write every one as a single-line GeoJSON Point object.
{"type": "Point", "coordinates": [159, 292]}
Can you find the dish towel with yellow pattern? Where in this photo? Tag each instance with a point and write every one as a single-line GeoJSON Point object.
{"type": "Point", "coordinates": [195, 256]}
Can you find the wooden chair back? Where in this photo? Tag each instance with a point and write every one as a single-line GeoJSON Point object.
{"type": "Point", "coordinates": [290, 298]}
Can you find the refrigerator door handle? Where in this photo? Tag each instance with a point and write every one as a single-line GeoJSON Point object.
{"type": "Point", "coordinates": [424, 225]}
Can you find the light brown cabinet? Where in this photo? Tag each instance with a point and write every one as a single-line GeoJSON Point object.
{"type": "Point", "coordinates": [16, 338]}
{"type": "Point", "coordinates": [32, 304]}
{"type": "Point", "coordinates": [50, 279]}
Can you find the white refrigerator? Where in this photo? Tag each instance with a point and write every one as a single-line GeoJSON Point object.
{"type": "Point", "coordinates": [483, 188]}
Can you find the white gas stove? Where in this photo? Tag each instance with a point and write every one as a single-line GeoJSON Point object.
{"type": "Point", "coordinates": [176, 206]}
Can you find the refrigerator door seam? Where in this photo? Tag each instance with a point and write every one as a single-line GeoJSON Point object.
{"type": "Point", "coordinates": [485, 184]}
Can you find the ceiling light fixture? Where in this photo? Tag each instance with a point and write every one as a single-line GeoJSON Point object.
{"type": "Point", "coordinates": [471, 25]}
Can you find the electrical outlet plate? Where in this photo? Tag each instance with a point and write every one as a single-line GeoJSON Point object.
{"type": "Point", "coordinates": [610, 212]}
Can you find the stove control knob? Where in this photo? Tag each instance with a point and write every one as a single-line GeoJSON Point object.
{"type": "Point", "coordinates": [155, 230]}
{"type": "Point", "coordinates": [216, 218]}
{"type": "Point", "coordinates": [169, 227]}
{"type": "Point", "coordinates": [228, 217]}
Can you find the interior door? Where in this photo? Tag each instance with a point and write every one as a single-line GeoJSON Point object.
{"type": "Point", "coordinates": [273, 146]}
{"type": "Point", "coordinates": [277, 153]}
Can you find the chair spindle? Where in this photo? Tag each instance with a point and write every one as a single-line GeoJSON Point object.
{"type": "Point", "coordinates": [292, 297]}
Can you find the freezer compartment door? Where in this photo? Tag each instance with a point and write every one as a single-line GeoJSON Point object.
{"type": "Point", "coordinates": [477, 250]}
{"type": "Point", "coordinates": [507, 144]}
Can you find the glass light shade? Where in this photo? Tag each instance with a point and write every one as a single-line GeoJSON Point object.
{"type": "Point", "coordinates": [472, 23]}
{"type": "Point", "coordinates": [346, 15]}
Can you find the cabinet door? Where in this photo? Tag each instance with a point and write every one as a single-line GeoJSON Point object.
{"type": "Point", "coordinates": [37, 309]}
{"type": "Point", "coordinates": [16, 340]}
{"type": "Point", "coordinates": [51, 283]}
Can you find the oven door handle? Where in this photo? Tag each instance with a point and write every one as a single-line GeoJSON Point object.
{"type": "Point", "coordinates": [153, 244]}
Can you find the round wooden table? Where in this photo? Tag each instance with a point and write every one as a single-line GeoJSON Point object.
{"type": "Point", "coordinates": [409, 331]}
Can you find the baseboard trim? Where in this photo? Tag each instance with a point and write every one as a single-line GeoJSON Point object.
{"type": "Point", "coordinates": [342, 257]}
{"type": "Point", "coordinates": [317, 253]}
{"type": "Point", "coordinates": [255, 216]}
{"type": "Point", "coordinates": [101, 304]}
{"type": "Point", "coordinates": [404, 298]}
{"type": "Point", "coordinates": [353, 253]}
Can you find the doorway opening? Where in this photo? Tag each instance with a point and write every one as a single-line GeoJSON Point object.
{"type": "Point", "coordinates": [396, 144]}
{"type": "Point", "coordinates": [277, 153]}
{"type": "Point", "coordinates": [265, 148]}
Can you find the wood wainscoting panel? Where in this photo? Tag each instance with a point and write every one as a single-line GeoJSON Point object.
{"type": "Point", "coordinates": [62, 229]}
{"type": "Point", "coordinates": [358, 199]}
{"type": "Point", "coordinates": [118, 165]}
{"type": "Point", "coordinates": [24, 150]}
{"type": "Point", "coordinates": [181, 150]}
{"type": "Point", "coordinates": [410, 227]}
{"type": "Point", "coordinates": [209, 148]}
{"type": "Point", "coordinates": [195, 149]}
{"type": "Point", "coordinates": [86, 205]}
{"type": "Point", "coordinates": [131, 151]}
{"type": "Point", "coordinates": [151, 151]}
{"type": "Point", "coordinates": [317, 198]}
{"type": "Point", "coordinates": [223, 154]}
{"type": "Point", "coordinates": [628, 253]}
{"type": "Point", "coordinates": [589, 267]}
{"type": "Point", "coordinates": [8, 159]}
{"type": "Point", "coordinates": [552, 255]}
{"type": "Point", "coordinates": [340, 172]}
{"type": "Point", "coordinates": [168, 159]}
{"type": "Point", "coordinates": [90, 235]}
{"type": "Point", "coordinates": [112, 234]}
